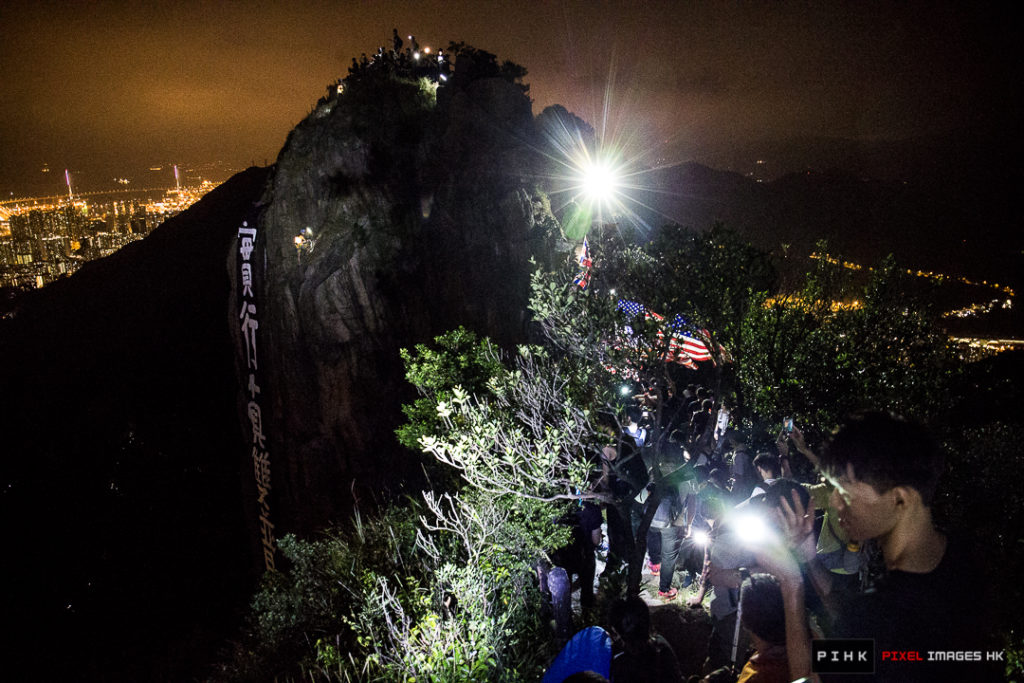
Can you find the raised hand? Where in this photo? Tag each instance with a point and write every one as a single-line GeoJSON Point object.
{"type": "Point", "coordinates": [795, 544]}
{"type": "Point", "coordinates": [797, 525]}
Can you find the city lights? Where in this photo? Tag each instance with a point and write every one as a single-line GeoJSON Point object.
{"type": "Point", "coordinates": [46, 238]}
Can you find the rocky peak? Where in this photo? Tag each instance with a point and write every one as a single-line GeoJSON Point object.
{"type": "Point", "coordinates": [418, 207]}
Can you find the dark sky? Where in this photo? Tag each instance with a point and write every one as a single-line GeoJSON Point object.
{"type": "Point", "coordinates": [119, 85]}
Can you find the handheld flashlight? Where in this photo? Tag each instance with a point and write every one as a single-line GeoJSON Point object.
{"type": "Point", "coordinates": [750, 528]}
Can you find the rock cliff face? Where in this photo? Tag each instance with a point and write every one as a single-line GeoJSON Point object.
{"type": "Point", "coordinates": [420, 210]}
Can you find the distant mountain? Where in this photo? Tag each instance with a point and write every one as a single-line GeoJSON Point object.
{"type": "Point", "coordinates": [926, 225]}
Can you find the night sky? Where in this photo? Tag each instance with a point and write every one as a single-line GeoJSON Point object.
{"type": "Point", "coordinates": [112, 87]}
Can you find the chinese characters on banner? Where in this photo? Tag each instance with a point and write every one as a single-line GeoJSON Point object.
{"type": "Point", "coordinates": [248, 325]}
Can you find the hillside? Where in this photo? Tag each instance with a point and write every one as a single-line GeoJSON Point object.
{"type": "Point", "coordinates": [927, 225]}
{"type": "Point", "coordinates": [121, 499]}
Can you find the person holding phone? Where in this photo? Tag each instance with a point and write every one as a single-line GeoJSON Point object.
{"type": "Point", "coordinates": [885, 472]}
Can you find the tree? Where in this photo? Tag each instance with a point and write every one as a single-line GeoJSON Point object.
{"type": "Point", "coordinates": [440, 590]}
{"type": "Point", "coordinates": [527, 436]}
{"type": "Point", "coordinates": [834, 347]}
{"type": "Point", "coordinates": [708, 276]}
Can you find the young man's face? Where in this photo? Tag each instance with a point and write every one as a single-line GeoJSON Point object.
{"type": "Point", "coordinates": [863, 512]}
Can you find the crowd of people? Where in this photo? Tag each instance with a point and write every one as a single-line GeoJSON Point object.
{"type": "Point", "coordinates": [796, 548]}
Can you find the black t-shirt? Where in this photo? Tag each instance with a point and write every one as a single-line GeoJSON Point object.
{"type": "Point", "coordinates": [923, 615]}
{"type": "Point", "coordinates": [575, 555]}
{"type": "Point", "coordinates": [699, 423]}
{"type": "Point", "coordinates": [589, 520]}
{"type": "Point", "coordinates": [632, 474]}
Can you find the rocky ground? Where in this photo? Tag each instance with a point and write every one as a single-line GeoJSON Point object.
{"type": "Point", "coordinates": [687, 629]}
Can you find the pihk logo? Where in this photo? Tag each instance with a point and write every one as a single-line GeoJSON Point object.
{"type": "Point", "coordinates": [843, 655]}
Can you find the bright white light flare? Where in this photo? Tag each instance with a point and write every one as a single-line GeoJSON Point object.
{"type": "Point", "coordinates": [751, 528]}
{"type": "Point", "coordinates": [600, 181]}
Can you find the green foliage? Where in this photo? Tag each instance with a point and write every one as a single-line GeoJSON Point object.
{"type": "Point", "coordinates": [460, 359]}
{"type": "Point", "coordinates": [508, 426]}
{"type": "Point", "coordinates": [428, 92]}
{"type": "Point", "coordinates": [711, 278]}
{"type": "Point", "coordinates": [1015, 656]}
{"type": "Point", "coordinates": [476, 614]}
{"type": "Point", "coordinates": [528, 436]}
{"type": "Point", "coordinates": [304, 608]}
{"type": "Point", "coordinates": [576, 323]}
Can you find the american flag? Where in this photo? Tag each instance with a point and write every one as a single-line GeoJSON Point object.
{"type": "Point", "coordinates": [682, 348]}
{"type": "Point", "coordinates": [678, 353]}
{"type": "Point", "coordinates": [691, 346]}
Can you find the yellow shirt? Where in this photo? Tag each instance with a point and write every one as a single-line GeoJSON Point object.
{"type": "Point", "coordinates": [773, 668]}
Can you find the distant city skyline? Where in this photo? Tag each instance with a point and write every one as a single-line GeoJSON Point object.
{"type": "Point", "coordinates": [44, 239]}
{"type": "Point", "coordinates": [47, 181]}
{"type": "Point", "coordinates": [102, 87]}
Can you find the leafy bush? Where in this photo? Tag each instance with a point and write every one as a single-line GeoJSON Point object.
{"type": "Point", "coordinates": [449, 596]}
{"type": "Point", "coordinates": [460, 359]}
{"type": "Point", "coordinates": [298, 610]}
{"type": "Point", "coordinates": [477, 617]}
